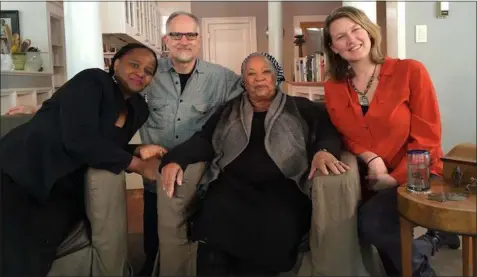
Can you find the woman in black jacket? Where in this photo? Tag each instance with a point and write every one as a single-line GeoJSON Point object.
{"type": "Point", "coordinates": [88, 122]}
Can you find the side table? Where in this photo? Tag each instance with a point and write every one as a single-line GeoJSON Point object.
{"type": "Point", "coordinates": [458, 217]}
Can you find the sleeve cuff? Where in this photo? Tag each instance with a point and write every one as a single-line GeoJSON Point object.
{"type": "Point", "coordinates": [332, 148]}
{"type": "Point", "coordinates": [167, 159]}
{"type": "Point", "coordinates": [126, 159]}
{"type": "Point", "coordinates": [401, 178]}
{"type": "Point", "coordinates": [131, 148]}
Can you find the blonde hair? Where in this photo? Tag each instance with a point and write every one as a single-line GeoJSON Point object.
{"type": "Point", "coordinates": [337, 67]}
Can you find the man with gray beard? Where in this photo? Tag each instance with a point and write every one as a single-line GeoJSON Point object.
{"type": "Point", "coordinates": [185, 92]}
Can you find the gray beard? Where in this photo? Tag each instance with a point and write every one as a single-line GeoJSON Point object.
{"type": "Point", "coordinates": [184, 59]}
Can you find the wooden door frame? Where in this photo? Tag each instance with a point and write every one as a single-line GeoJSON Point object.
{"type": "Point", "coordinates": [205, 22]}
{"type": "Point", "coordinates": [297, 22]}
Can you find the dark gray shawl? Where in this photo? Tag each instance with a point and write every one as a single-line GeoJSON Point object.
{"type": "Point", "coordinates": [285, 139]}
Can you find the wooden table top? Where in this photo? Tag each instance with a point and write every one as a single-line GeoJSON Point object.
{"type": "Point", "coordinates": [451, 216]}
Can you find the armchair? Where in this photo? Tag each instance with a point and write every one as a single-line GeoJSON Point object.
{"type": "Point", "coordinates": [97, 246]}
{"type": "Point", "coordinates": [335, 249]}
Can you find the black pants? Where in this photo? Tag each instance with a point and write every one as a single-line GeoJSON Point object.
{"type": "Point", "coordinates": [213, 262]}
{"type": "Point", "coordinates": [31, 231]}
{"type": "Point", "coordinates": [379, 225]}
{"type": "Point", "coordinates": [151, 240]}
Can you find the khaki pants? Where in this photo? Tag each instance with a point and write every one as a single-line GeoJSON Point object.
{"type": "Point", "coordinates": [105, 202]}
{"type": "Point", "coordinates": [177, 256]}
{"type": "Point", "coordinates": [334, 244]}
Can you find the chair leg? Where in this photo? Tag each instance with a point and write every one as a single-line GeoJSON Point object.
{"type": "Point", "coordinates": [467, 256]}
{"type": "Point", "coordinates": [474, 255]}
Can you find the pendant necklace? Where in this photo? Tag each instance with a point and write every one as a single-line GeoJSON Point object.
{"type": "Point", "coordinates": [363, 99]}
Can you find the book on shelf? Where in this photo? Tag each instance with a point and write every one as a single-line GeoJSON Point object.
{"type": "Point", "coordinates": [310, 68]}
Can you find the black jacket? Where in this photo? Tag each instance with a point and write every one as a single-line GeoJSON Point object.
{"type": "Point", "coordinates": [73, 129]}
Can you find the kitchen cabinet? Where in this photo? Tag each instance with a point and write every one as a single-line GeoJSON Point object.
{"type": "Point", "coordinates": [132, 21]}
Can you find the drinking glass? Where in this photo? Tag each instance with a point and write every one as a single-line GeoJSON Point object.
{"type": "Point", "coordinates": [418, 172]}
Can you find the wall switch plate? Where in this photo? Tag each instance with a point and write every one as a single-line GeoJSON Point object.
{"type": "Point", "coordinates": [421, 33]}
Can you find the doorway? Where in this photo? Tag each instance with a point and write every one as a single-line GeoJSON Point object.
{"type": "Point", "coordinates": [228, 40]}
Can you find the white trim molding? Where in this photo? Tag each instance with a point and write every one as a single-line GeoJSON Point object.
{"type": "Point", "coordinates": [396, 29]}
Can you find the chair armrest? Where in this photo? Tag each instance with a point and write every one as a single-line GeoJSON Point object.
{"type": "Point", "coordinates": [350, 179]}
{"type": "Point", "coordinates": [76, 240]}
{"type": "Point", "coordinates": [170, 210]}
{"type": "Point", "coordinates": [334, 242]}
{"type": "Point", "coordinates": [10, 122]}
{"type": "Point", "coordinates": [194, 173]}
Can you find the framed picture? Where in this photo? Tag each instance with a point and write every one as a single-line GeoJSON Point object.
{"type": "Point", "coordinates": [10, 19]}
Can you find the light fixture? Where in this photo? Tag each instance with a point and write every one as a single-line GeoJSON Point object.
{"type": "Point", "coordinates": [442, 9]}
{"type": "Point", "coordinates": [266, 32]}
{"type": "Point", "coordinates": [299, 41]}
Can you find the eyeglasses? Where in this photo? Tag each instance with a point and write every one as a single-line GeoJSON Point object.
{"type": "Point", "coordinates": [178, 36]}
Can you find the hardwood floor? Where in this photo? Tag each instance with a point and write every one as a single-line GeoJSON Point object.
{"type": "Point", "coordinates": [135, 211]}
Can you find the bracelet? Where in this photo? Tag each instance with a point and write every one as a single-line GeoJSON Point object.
{"type": "Point", "coordinates": [375, 157]}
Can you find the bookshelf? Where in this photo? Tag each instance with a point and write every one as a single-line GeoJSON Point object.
{"type": "Point", "coordinates": [24, 96]}
{"type": "Point", "coordinates": [311, 90]}
{"type": "Point", "coordinates": [109, 50]}
{"type": "Point", "coordinates": [58, 51]}
{"type": "Point", "coordinates": [309, 69]}
{"type": "Point", "coordinates": [32, 88]}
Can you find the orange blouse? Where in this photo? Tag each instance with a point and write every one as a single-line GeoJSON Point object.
{"type": "Point", "coordinates": [403, 115]}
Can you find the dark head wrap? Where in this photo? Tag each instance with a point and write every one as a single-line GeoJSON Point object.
{"type": "Point", "coordinates": [273, 61]}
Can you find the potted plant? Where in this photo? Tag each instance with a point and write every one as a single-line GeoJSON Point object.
{"type": "Point", "coordinates": [33, 60]}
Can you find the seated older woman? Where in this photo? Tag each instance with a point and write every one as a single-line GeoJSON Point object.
{"type": "Point", "coordinates": [263, 148]}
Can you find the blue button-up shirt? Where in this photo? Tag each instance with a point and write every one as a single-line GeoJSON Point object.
{"type": "Point", "coordinates": [175, 117]}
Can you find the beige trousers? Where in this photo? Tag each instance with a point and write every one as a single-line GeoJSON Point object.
{"type": "Point", "coordinates": [335, 248]}
{"type": "Point", "coordinates": [105, 197]}
{"type": "Point", "coordinates": [177, 256]}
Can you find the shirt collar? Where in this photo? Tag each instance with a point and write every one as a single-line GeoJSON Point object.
{"type": "Point", "coordinates": [388, 66]}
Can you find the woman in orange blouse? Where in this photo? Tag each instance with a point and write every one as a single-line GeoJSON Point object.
{"type": "Point", "coordinates": [383, 107]}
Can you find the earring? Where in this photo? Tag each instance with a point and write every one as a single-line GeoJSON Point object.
{"type": "Point", "coordinates": [114, 79]}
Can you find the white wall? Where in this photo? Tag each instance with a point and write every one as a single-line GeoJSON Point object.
{"type": "Point", "coordinates": [33, 22]}
{"type": "Point", "coordinates": [167, 7]}
{"type": "Point", "coordinates": [450, 58]}
{"type": "Point", "coordinates": [369, 8]}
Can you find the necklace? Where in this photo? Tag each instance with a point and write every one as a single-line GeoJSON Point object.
{"type": "Point", "coordinates": [363, 99]}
